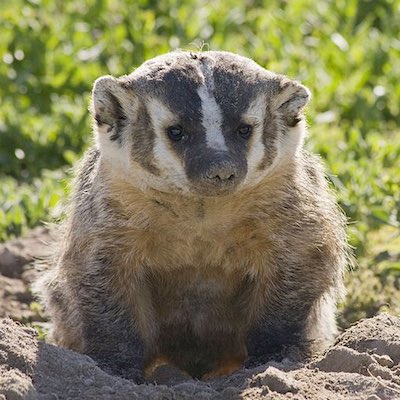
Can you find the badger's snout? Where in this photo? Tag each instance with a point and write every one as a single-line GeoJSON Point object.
{"type": "Point", "coordinates": [216, 173]}
{"type": "Point", "coordinates": [221, 173]}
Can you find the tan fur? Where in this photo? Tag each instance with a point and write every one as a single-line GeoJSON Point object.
{"type": "Point", "coordinates": [267, 257]}
{"type": "Point", "coordinates": [226, 248]}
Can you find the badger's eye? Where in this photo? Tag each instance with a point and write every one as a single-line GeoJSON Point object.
{"type": "Point", "coordinates": [175, 133]}
{"type": "Point", "coordinates": [244, 131]}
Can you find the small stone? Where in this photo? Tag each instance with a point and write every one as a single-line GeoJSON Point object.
{"type": "Point", "coordinates": [344, 359]}
{"type": "Point", "coordinates": [277, 381]}
{"type": "Point", "coordinates": [373, 397]}
{"type": "Point", "coordinates": [107, 390]}
{"type": "Point", "coordinates": [384, 360]}
{"type": "Point", "coordinates": [379, 371]}
{"type": "Point", "coordinates": [88, 382]}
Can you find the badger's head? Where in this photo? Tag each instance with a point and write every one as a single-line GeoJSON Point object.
{"type": "Point", "coordinates": [198, 123]}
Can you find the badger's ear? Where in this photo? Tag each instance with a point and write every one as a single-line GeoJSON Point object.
{"type": "Point", "coordinates": [291, 100]}
{"type": "Point", "coordinates": [113, 102]}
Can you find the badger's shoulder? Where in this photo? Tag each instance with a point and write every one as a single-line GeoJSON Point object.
{"type": "Point", "coordinates": [87, 170]}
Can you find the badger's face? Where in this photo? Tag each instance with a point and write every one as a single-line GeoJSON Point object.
{"type": "Point", "coordinates": [201, 123]}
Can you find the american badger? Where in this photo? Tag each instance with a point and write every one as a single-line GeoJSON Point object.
{"type": "Point", "coordinates": [200, 232]}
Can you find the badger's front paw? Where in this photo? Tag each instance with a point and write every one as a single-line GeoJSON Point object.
{"type": "Point", "coordinates": [227, 365]}
{"type": "Point", "coordinates": [161, 371]}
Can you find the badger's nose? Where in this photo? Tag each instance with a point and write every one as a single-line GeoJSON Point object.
{"type": "Point", "coordinates": [222, 172]}
{"type": "Point", "coordinates": [215, 173]}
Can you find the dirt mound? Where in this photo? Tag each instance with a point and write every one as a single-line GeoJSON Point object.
{"type": "Point", "coordinates": [17, 273]}
{"type": "Point", "coordinates": [364, 363]}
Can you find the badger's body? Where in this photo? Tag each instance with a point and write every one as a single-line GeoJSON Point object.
{"type": "Point", "coordinates": [199, 229]}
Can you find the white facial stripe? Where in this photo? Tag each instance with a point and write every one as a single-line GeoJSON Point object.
{"type": "Point", "coordinates": [161, 116]}
{"type": "Point", "coordinates": [168, 163]}
{"type": "Point", "coordinates": [212, 120]}
{"type": "Point", "coordinates": [255, 114]}
{"type": "Point", "coordinates": [286, 145]}
{"type": "Point", "coordinates": [116, 155]}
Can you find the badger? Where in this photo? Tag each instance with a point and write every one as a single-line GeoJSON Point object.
{"type": "Point", "coordinates": [200, 233]}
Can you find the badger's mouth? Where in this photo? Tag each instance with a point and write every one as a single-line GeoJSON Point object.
{"type": "Point", "coordinates": [216, 173]}
{"type": "Point", "coordinates": [215, 187]}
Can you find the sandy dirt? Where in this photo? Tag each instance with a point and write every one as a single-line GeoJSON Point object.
{"type": "Point", "coordinates": [364, 363]}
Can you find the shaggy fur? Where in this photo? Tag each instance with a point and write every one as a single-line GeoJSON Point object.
{"type": "Point", "coordinates": [161, 262]}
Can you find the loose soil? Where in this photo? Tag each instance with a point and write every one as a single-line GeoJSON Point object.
{"type": "Point", "coordinates": [364, 363]}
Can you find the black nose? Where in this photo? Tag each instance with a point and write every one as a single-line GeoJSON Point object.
{"type": "Point", "coordinates": [222, 172]}
{"type": "Point", "coordinates": [215, 172]}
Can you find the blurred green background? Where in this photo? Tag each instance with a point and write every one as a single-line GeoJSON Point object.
{"type": "Point", "coordinates": [347, 52]}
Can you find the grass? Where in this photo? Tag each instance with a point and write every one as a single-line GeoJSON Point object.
{"type": "Point", "coordinates": [346, 52]}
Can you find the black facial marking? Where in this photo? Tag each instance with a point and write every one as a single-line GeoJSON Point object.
{"type": "Point", "coordinates": [234, 83]}
{"type": "Point", "coordinates": [243, 89]}
{"type": "Point", "coordinates": [270, 131]}
{"type": "Point", "coordinates": [235, 89]}
{"type": "Point", "coordinates": [176, 86]}
{"type": "Point", "coordinates": [143, 141]}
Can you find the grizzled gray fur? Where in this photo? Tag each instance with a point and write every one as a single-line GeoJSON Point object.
{"type": "Point", "coordinates": [199, 232]}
